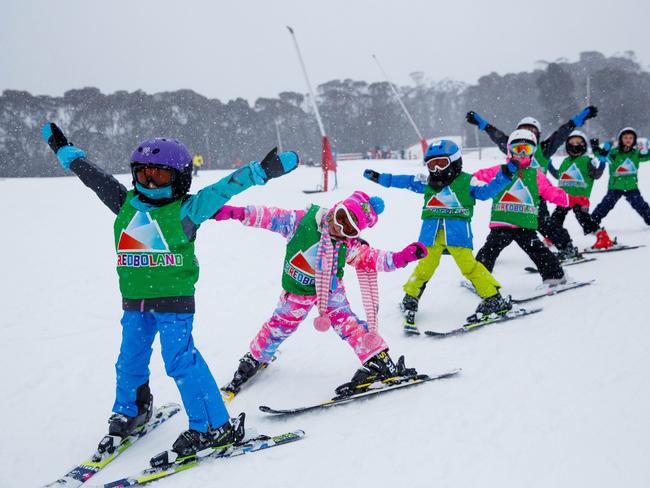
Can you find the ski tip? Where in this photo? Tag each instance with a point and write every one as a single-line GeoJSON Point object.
{"type": "Point", "coordinates": [227, 395]}
{"type": "Point", "coordinates": [433, 333]}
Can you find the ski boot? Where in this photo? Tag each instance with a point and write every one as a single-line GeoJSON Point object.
{"type": "Point", "coordinates": [379, 368]}
{"type": "Point", "coordinates": [121, 426]}
{"type": "Point", "coordinates": [603, 241]}
{"type": "Point", "coordinates": [193, 444]}
{"type": "Point", "coordinates": [570, 253]}
{"type": "Point", "coordinates": [248, 367]}
{"type": "Point", "coordinates": [489, 307]}
{"type": "Point", "coordinates": [409, 307]}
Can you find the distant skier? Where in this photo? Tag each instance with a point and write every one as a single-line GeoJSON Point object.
{"type": "Point", "coordinates": [624, 161]}
{"type": "Point", "coordinates": [320, 242]}
{"type": "Point", "coordinates": [515, 210]}
{"type": "Point", "coordinates": [576, 175]}
{"type": "Point", "coordinates": [197, 162]}
{"type": "Point", "coordinates": [449, 198]}
{"type": "Point", "coordinates": [155, 229]}
{"type": "Point", "coordinates": [544, 150]}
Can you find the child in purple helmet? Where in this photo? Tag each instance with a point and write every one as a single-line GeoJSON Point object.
{"type": "Point", "coordinates": [155, 229]}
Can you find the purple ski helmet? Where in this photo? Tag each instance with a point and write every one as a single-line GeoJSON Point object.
{"type": "Point", "coordinates": [162, 151]}
{"type": "Point", "coordinates": [169, 153]}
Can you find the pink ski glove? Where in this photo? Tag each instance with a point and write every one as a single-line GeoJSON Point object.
{"type": "Point", "coordinates": [410, 253]}
{"type": "Point", "coordinates": [230, 213]}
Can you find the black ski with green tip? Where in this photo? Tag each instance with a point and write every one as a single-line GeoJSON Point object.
{"type": "Point", "coordinates": [81, 473]}
{"type": "Point", "coordinates": [472, 326]}
{"type": "Point", "coordinates": [372, 391]}
{"type": "Point", "coordinates": [252, 445]}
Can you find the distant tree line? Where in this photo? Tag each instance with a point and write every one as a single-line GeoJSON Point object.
{"type": "Point", "coordinates": [356, 114]}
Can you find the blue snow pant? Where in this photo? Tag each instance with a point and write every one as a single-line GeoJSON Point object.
{"type": "Point", "coordinates": [633, 197]}
{"type": "Point", "coordinates": [183, 362]}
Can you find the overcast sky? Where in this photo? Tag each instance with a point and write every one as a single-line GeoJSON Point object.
{"type": "Point", "coordinates": [228, 49]}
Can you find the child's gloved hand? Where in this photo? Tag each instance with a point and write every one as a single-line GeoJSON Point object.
{"type": "Point", "coordinates": [58, 142]}
{"type": "Point", "coordinates": [275, 164]}
{"type": "Point", "coordinates": [410, 253]}
{"type": "Point", "coordinates": [578, 201]}
{"type": "Point", "coordinates": [587, 113]}
{"type": "Point", "coordinates": [228, 212]}
{"type": "Point", "coordinates": [511, 168]}
{"type": "Point", "coordinates": [383, 179]}
{"type": "Point", "coordinates": [475, 119]}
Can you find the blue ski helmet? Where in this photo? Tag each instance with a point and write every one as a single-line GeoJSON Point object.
{"type": "Point", "coordinates": [444, 148]}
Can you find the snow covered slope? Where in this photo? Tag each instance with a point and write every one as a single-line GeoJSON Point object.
{"type": "Point", "coordinates": [557, 399]}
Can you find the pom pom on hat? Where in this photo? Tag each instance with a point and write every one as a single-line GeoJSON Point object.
{"type": "Point", "coordinates": [377, 204]}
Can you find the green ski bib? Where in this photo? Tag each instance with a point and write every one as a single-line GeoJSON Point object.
{"type": "Point", "coordinates": [573, 176]}
{"type": "Point", "coordinates": [299, 271]}
{"type": "Point", "coordinates": [518, 203]}
{"type": "Point", "coordinates": [539, 161]}
{"type": "Point", "coordinates": [452, 202]}
{"type": "Point", "coordinates": [624, 170]}
{"type": "Point", "coordinates": [155, 259]}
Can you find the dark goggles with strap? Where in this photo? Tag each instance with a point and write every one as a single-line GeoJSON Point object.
{"type": "Point", "coordinates": [158, 175]}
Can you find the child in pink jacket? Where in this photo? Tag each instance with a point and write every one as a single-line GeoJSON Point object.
{"type": "Point", "coordinates": [515, 210]}
{"type": "Point", "coordinates": [319, 243]}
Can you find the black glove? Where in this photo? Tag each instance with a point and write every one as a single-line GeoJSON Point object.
{"type": "Point", "coordinates": [510, 169]}
{"type": "Point", "coordinates": [593, 112]}
{"type": "Point", "coordinates": [475, 119]}
{"type": "Point", "coordinates": [55, 137]}
{"type": "Point", "coordinates": [275, 164]}
{"type": "Point", "coordinates": [595, 147]}
{"type": "Point", "coordinates": [371, 175]}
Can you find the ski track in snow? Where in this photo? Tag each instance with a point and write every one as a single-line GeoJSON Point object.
{"type": "Point", "coordinates": [559, 398]}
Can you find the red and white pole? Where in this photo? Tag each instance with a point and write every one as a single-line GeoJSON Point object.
{"type": "Point", "coordinates": [327, 157]}
{"type": "Point", "coordinates": [423, 141]}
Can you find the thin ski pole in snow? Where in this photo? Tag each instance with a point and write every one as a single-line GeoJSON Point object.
{"type": "Point", "coordinates": [327, 158]}
{"type": "Point", "coordinates": [422, 140]}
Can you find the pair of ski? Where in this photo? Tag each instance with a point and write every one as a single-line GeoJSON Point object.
{"type": "Point", "coordinates": [590, 250]}
{"type": "Point", "coordinates": [510, 315]}
{"type": "Point", "coordinates": [84, 471]}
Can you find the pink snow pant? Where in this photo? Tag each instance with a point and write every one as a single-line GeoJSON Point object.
{"type": "Point", "coordinates": [292, 310]}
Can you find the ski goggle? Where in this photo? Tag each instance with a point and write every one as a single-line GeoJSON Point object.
{"type": "Point", "coordinates": [579, 148]}
{"type": "Point", "coordinates": [155, 174]}
{"type": "Point", "coordinates": [345, 221]}
{"type": "Point", "coordinates": [522, 149]}
{"type": "Point", "coordinates": [439, 163]}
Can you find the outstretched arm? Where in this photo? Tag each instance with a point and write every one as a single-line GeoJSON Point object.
{"type": "Point", "coordinates": [497, 136]}
{"type": "Point", "coordinates": [366, 258]}
{"type": "Point", "coordinates": [482, 191]}
{"type": "Point", "coordinates": [202, 206]}
{"type": "Point", "coordinates": [110, 191]}
{"type": "Point", "coordinates": [550, 193]}
{"type": "Point", "coordinates": [388, 180]}
{"type": "Point", "coordinates": [284, 222]}
{"type": "Point", "coordinates": [555, 140]}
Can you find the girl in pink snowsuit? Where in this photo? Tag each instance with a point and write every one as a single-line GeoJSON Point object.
{"type": "Point", "coordinates": [319, 244]}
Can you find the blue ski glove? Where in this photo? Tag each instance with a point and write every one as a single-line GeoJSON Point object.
{"type": "Point", "coordinates": [58, 142]}
{"type": "Point", "coordinates": [588, 113]}
{"type": "Point", "coordinates": [475, 119]}
{"type": "Point", "coordinates": [274, 165]}
{"type": "Point", "coordinates": [384, 179]}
